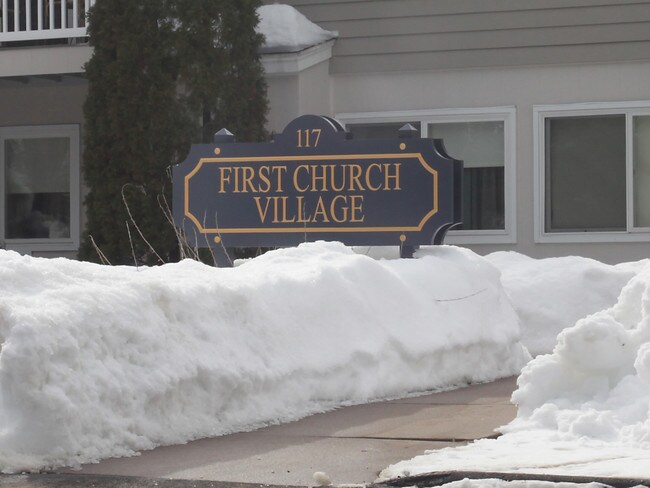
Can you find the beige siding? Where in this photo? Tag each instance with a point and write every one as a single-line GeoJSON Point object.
{"type": "Point", "coordinates": [393, 35]}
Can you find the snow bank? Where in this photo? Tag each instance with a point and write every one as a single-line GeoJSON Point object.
{"type": "Point", "coordinates": [286, 29]}
{"type": "Point", "coordinates": [495, 483]}
{"type": "Point", "coordinates": [105, 361]}
{"type": "Point", "coordinates": [552, 294]}
{"type": "Point", "coordinates": [584, 409]}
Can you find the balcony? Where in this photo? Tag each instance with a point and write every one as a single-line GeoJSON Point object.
{"type": "Point", "coordinates": [38, 22]}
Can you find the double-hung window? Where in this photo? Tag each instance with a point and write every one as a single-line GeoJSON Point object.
{"type": "Point", "coordinates": [484, 139]}
{"type": "Point", "coordinates": [593, 172]}
{"type": "Point", "coordinates": [39, 183]}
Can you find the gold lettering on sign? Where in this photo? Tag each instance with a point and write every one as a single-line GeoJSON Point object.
{"type": "Point", "coordinates": [261, 212]}
{"type": "Point", "coordinates": [279, 171]}
{"type": "Point", "coordinates": [333, 208]}
{"type": "Point", "coordinates": [341, 209]}
{"type": "Point", "coordinates": [356, 215]}
{"type": "Point", "coordinates": [299, 188]}
{"type": "Point", "coordinates": [223, 178]}
{"type": "Point", "coordinates": [369, 184]}
{"type": "Point", "coordinates": [264, 174]}
{"type": "Point", "coordinates": [338, 189]}
{"type": "Point", "coordinates": [320, 214]}
{"type": "Point", "coordinates": [394, 177]}
{"type": "Point", "coordinates": [308, 137]}
{"type": "Point", "coordinates": [316, 177]}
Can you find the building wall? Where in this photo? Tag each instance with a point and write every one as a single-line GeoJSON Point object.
{"type": "Point", "coordinates": [470, 54]}
{"type": "Point", "coordinates": [401, 55]}
{"type": "Point", "coordinates": [522, 87]}
{"type": "Point", "coordinates": [39, 60]}
{"type": "Point", "coordinates": [283, 101]}
{"type": "Point", "coordinates": [315, 90]}
{"type": "Point", "coordinates": [407, 35]}
{"type": "Point", "coordinates": [298, 83]}
{"type": "Point", "coordinates": [39, 101]}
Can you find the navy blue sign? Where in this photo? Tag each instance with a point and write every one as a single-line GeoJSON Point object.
{"type": "Point", "coordinates": [314, 182]}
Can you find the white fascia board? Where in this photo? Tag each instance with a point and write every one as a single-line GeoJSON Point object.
{"type": "Point", "coordinates": [47, 60]}
{"type": "Point", "coordinates": [291, 63]}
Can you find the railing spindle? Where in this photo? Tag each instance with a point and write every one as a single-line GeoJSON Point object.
{"type": "Point", "coordinates": [64, 14]}
{"type": "Point", "coordinates": [16, 16]}
{"type": "Point", "coordinates": [35, 20]}
{"type": "Point", "coordinates": [4, 16]}
{"type": "Point", "coordinates": [28, 15]}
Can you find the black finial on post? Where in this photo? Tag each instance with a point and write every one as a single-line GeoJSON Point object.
{"type": "Point", "coordinates": [223, 136]}
{"type": "Point", "coordinates": [407, 131]}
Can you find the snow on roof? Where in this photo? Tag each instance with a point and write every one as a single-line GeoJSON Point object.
{"type": "Point", "coordinates": [287, 30]}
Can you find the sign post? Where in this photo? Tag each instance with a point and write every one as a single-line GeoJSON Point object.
{"type": "Point", "coordinates": [314, 182]}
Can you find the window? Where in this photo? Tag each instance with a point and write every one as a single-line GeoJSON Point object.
{"type": "Point", "coordinates": [484, 140]}
{"type": "Point", "coordinates": [641, 170]}
{"type": "Point", "coordinates": [481, 147]}
{"type": "Point", "coordinates": [40, 187]}
{"type": "Point", "coordinates": [592, 169]}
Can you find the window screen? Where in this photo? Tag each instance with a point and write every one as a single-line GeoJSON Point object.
{"type": "Point", "coordinates": [585, 173]}
{"type": "Point", "coordinates": [37, 188]}
{"type": "Point", "coordinates": [481, 147]}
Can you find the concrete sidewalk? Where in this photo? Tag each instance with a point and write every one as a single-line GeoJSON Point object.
{"type": "Point", "coordinates": [350, 444]}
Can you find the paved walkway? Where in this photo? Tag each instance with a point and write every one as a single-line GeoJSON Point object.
{"type": "Point", "coordinates": [350, 444]}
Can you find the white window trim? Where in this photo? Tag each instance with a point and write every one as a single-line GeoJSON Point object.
{"type": "Point", "coordinates": [540, 113]}
{"type": "Point", "coordinates": [507, 115]}
{"type": "Point", "coordinates": [40, 131]}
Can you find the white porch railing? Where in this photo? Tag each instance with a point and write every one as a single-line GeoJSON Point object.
{"type": "Point", "coordinates": [31, 20]}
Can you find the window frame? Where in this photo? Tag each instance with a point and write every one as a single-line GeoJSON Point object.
{"type": "Point", "coordinates": [71, 131]}
{"type": "Point", "coordinates": [543, 112]}
{"type": "Point", "coordinates": [507, 115]}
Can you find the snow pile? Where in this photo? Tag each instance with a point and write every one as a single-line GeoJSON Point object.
{"type": "Point", "coordinates": [287, 30]}
{"type": "Point", "coordinates": [105, 361]}
{"type": "Point", "coordinates": [496, 483]}
{"type": "Point", "coordinates": [584, 409]}
{"type": "Point", "coordinates": [552, 294]}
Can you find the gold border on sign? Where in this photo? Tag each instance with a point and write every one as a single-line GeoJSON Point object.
{"type": "Point", "coordinates": [332, 157]}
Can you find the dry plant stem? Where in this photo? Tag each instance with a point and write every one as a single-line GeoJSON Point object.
{"type": "Point", "coordinates": [225, 251]}
{"type": "Point", "coordinates": [305, 220]}
{"type": "Point", "coordinates": [102, 256]}
{"type": "Point", "coordinates": [193, 252]}
{"type": "Point", "coordinates": [207, 243]}
{"type": "Point", "coordinates": [135, 224]}
{"type": "Point", "coordinates": [460, 298]}
{"type": "Point", "coordinates": [195, 249]}
{"type": "Point", "coordinates": [166, 212]}
{"type": "Point", "coordinates": [128, 231]}
{"type": "Point", "coordinates": [180, 238]}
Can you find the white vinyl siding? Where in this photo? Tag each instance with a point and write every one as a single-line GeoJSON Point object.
{"type": "Point", "coordinates": [397, 35]}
